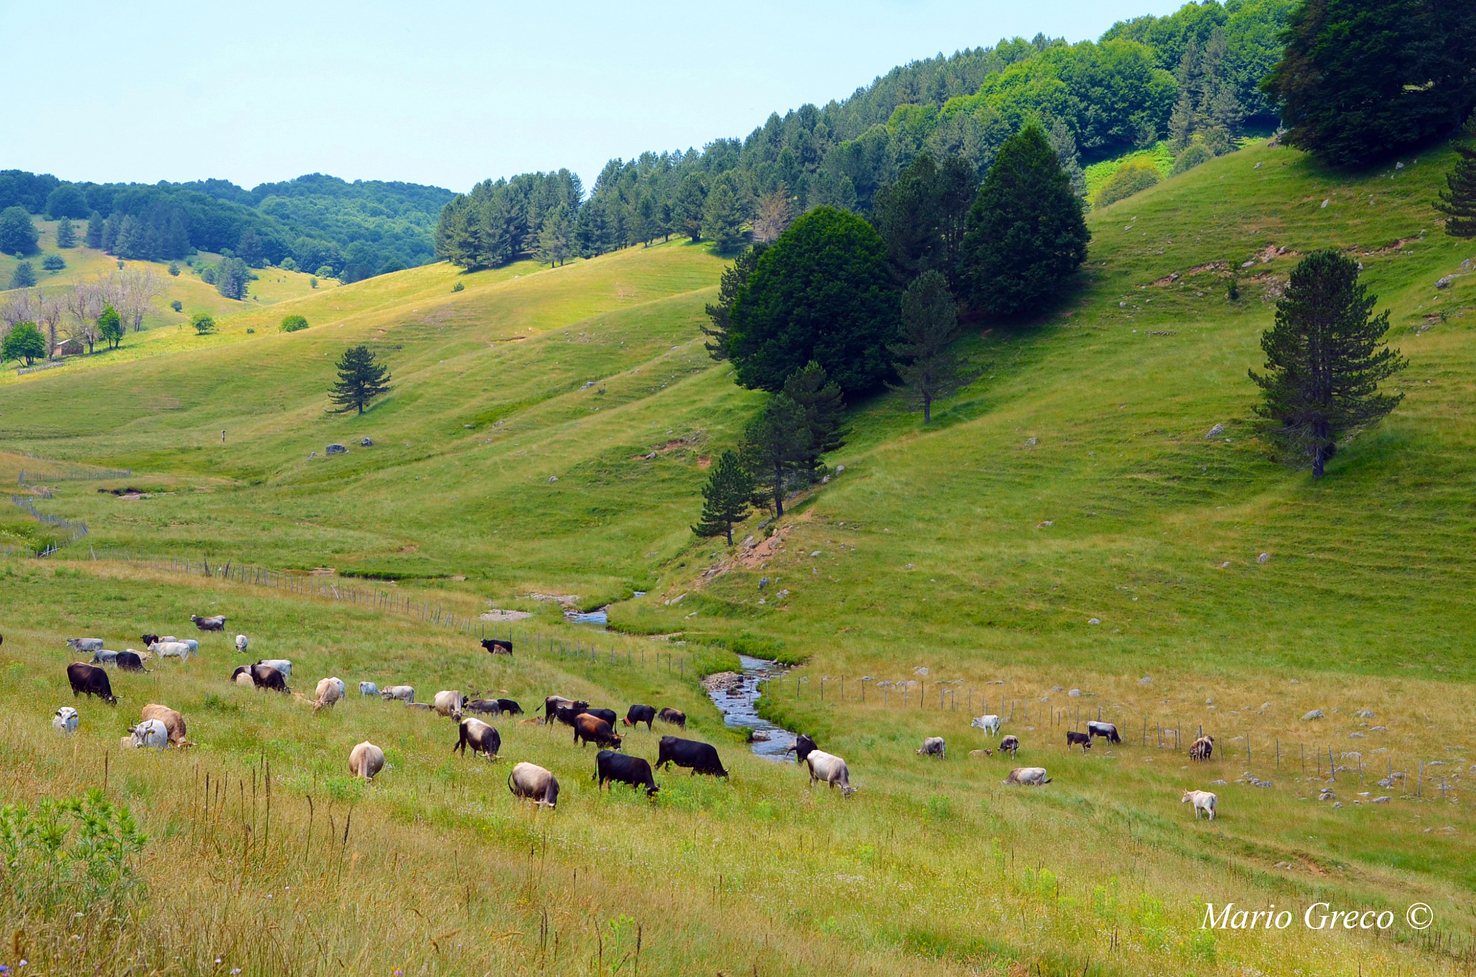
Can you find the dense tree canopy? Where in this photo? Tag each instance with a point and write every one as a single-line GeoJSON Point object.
{"type": "Point", "coordinates": [821, 292]}
{"type": "Point", "coordinates": [17, 233]}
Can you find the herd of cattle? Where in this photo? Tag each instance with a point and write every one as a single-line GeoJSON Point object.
{"type": "Point", "coordinates": [161, 726]}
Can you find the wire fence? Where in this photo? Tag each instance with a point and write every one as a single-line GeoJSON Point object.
{"type": "Point", "coordinates": [75, 530]}
{"type": "Point", "coordinates": [73, 475]}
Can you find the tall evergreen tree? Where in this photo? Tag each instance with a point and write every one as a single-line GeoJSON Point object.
{"type": "Point", "coordinates": [249, 248]}
{"type": "Point", "coordinates": [232, 278]}
{"type": "Point", "coordinates": [24, 276]}
{"type": "Point", "coordinates": [825, 409]}
{"type": "Point", "coordinates": [556, 236]}
{"type": "Point", "coordinates": [721, 314]}
{"type": "Point", "coordinates": [1458, 203]}
{"type": "Point", "coordinates": [1325, 358]}
{"type": "Point", "coordinates": [726, 497]}
{"type": "Point", "coordinates": [929, 370]}
{"type": "Point", "coordinates": [95, 231]}
{"type": "Point", "coordinates": [723, 216]}
{"type": "Point", "coordinates": [66, 234]}
{"type": "Point", "coordinates": [361, 378]}
{"type": "Point", "coordinates": [1026, 233]}
{"type": "Point", "coordinates": [689, 205]}
{"type": "Point", "coordinates": [776, 450]}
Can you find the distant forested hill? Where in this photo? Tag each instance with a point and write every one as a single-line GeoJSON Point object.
{"type": "Point", "coordinates": [321, 223]}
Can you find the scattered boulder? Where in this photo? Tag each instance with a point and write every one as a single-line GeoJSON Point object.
{"type": "Point", "coordinates": [1314, 714]}
{"type": "Point", "coordinates": [1075, 693]}
{"type": "Point", "coordinates": [763, 582]}
{"type": "Point", "coordinates": [1145, 680]}
{"type": "Point", "coordinates": [1380, 800]}
{"type": "Point", "coordinates": [1446, 282]}
{"type": "Point", "coordinates": [552, 479]}
{"type": "Point", "coordinates": [1094, 620]}
{"type": "Point", "coordinates": [1263, 557]}
{"type": "Point", "coordinates": [335, 449]}
{"type": "Point", "coordinates": [721, 681]}
{"type": "Point", "coordinates": [1215, 432]}
{"type": "Point", "coordinates": [367, 442]}
{"type": "Point", "coordinates": [1364, 714]}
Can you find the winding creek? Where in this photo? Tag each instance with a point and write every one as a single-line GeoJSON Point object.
{"type": "Point", "coordinates": [739, 706]}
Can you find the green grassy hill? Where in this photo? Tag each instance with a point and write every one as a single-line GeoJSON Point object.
{"type": "Point", "coordinates": [1064, 523]}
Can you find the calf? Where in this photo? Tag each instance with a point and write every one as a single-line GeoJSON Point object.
{"type": "Point", "coordinates": [699, 757]}
{"type": "Point", "coordinates": [990, 724]}
{"type": "Point", "coordinates": [824, 766]}
{"type": "Point", "coordinates": [674, 716]}
{"type": "Point", "coordinates": [612, 767]}
{"type": "Point", "coordinates": [638, 714]}
{"type": "Point", "coordinates": [1202, 748]}
{"type": "Point", "coordinates": [174, 723]}
{"type": "Point", "coordinates": [1202, 800]}
{"type": "Point", "coordinates": [480, 736]}
{"type": "Point", "coordinates": [496, 646]}
{"type": "Point", "coordinates": [90, 680]}
{"type": "Point", "coordinates": [366, 760]}
{"type": "Point", "coordinates": [934, 746]}
{"type": "Point", "coordinates": [104, 657]}
{"type": "Point", "coordinates": [592, 729]}
{"type": "Point", "coordinates": [1073, 738]}
{"type": "Point", "coordinates": [528, 780]}
{"type": "Point", "coordinates": [216, 623]}
{"type": "Point", "coordinates": [1107, 731]}
{"type": "Point", "coordinates": [803, 744]}
{"type": "Point", "coordinates": [510, 706]}
{"type": "Point", "coordinates": [1027, 776]}
{"type": "Point", "coordinates": [1010, 743]}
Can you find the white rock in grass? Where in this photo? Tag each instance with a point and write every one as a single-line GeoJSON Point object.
{"type": "Point", "coordinates": [1314, 714]}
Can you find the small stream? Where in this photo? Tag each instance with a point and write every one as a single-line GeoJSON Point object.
{"type": "Point", "coordinates": [739, 707]}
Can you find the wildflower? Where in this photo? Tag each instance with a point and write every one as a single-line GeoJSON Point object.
{"type": "Point", "coordinates": [217, 961]}
{"type": "Point", "coordinates": [235, 970]}
{"type": "Point", "coordinates": [4, 969]}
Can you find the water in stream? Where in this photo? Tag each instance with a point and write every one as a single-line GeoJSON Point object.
{"type": "Point", "coordinates": [742, 709]}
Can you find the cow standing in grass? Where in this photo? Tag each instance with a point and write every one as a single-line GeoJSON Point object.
{"type": "Point", "coordinates": [1202, 800]}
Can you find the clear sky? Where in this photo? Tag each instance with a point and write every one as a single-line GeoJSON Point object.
{"type": "Point", "coordinates": [450, 94]}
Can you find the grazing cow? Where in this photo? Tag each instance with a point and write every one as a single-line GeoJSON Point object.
{"type": "Point", "coordinates": [608, 715]}
{"type": "Point", "coordinates": [104, 657]}
{"type": "Point", "coordinates": [90, 680]}
{"type": "Point", "coordinates": [699, 757]}
{"type": "Point", "coordinates": [530, 781]}
{"type": "Point", "coordinates": [260, 676]}
{"type": "Point", "coordinates": [934, 746]}
{"type": "Point", "coordinates": [480, 736]}
{"type": "Point", "coordinates": [568, 714]}
{"type": "Point", "coordinates": [329, 691]}
{"type": "Point", "coordinates": [172, 720]}
{"type": "Point", "coordinates": [65, 720]}
{"type": "Point", "coordinates": [990, 724]}
{"type": "Point", "coordinates": [674, 716]}
{"type": "Point", "coordinates": [366, 760]}
{"type": "Point", "coordinates": [510, 706]}
{"type": "Point", "coordinates": [448, 704]}
{"type": "Point", "coordinates": [129, 661]}
{"type": "Point", "coordinates": [496, 646]}
{"type": "Point", "coordinates": [280, 664]}
{"type": "Point", "coordinates": [242, 676]}
{"type": "Point", "coordinates": [172, 649]}
{"type": "Point", "coordinates": [823, 766]}
{"type": "Point", "coordinates": [401, 693]}
{"type": "Point", "coordinates": [1202, 800]}
{"type": "Point", "coordinates": [1073, 738]}
{"type": "Point", "coordinates": [487, 707]}
{"type": "Point", "coordinates": [241, 643]}
{"type": "Point", "coordinates": [637, 714]}
{"type": "Point", "coordinates": [554, 703]}
{"type": "Point", "coordinates": [150, 734]}
{"type": "Point", "coordinates": [423, 706]}
{"type": "Point", "coordinates": [194, 645]}
{"type": "Point", "coordinates": [1202, 748]}
{"type": "Point", "coordinates": [368, 688]}
{"type": "Point", "coordinates": [589, 729]}
{"type": "Point", "coordinates": [216, 623]}
{"type": "Point", "coordinates": [612, 767]}
{"type": "Point", "coordinates": [1027, 776]}
{"type": "Point", "coordinates": [85, 645]}
{"type": "Point", "coordinates": [1107, 731]}
{"type": "Point", "coordinates": [1010, 743]}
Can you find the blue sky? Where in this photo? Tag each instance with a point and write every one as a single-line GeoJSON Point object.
{"type": "Point", "coordinates": [451, 94]}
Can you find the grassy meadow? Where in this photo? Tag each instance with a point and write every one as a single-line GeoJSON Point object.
{"type": "Point", "coordinates": [1064, 524]}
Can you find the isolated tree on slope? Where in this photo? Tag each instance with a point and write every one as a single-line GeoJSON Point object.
{"type": "Point", "coordinates": [727, 497]}
{"type": "Point", "coordinates": [24, 342]}
{"type": "Point", "coordinates": [1324, 360]}
{"type": "Point", "coordinates": [109, 328]}
{"type": "Point", "coordinates": [360, 379]}
{"type": "Point", "coordinates": [66, 233]}
{"type": "Point", "coordinates": [721, 314]}
{"type": "Point", "coordinates": [929, 326]}
{"type": "Point", "coordinates": [24, 276]}
{"type": "Point", "coordinates": [17, 233]}
{"type": "Point", "coordinates": [776, 446]}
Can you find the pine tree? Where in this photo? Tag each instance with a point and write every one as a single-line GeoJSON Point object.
{"type": "Point", "coordinates": [24, 276]}
{"type": "Point", "coordinates": [360, 379]}
{"type": "Point", "coordinates": [825, 409]}
{"type": "Point", "coordinates": [776, 447]}
{"type": "Point", "coordinates": [1324, 360]}
{"type": "Point", "coordinates": [726, 497]}
{"type": "Point", "coordinates": [66, 233]}
{"type": "Point", "coordinates": [95, 231]}
{"type": "Point", "coordinates": [556, 236]}
{"type": "Point", "coordinates": [1458, 204]}
{"type": "Point", "coordinates": [732, 281]}
{"type": "Point", "coordinates": [723, 215]}
{"type": "Point", "coordinates": [929, 327]}
{"type": "Point", "coordinates": [687, 208]}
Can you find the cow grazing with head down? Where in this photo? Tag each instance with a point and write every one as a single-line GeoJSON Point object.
{"type": "Point", "coordinates": [486, 707]}
{"type": "Point", "coordinates": [612, 767]}
{"type": "Point", "coordinates": [172, 649]}
{"type": "Point", "coordinates": [129, 661]}
{"type": "Point", "coordinates": [1202, 748]}
{"type": "Point", "coordinates": [481, 737]}
{"type": "Point", "coordinates": [65, 720]}
{"type": "Point", "coordinates": [216, 623]}
{"type": "Point", "coordinates": [1073, 738]}
{"type": "Point", "coordinates": [85, 645]}
{"type": "Point", "coordinates": [1202, 800]}
{"type": "Point", "coordinates": [1108, 731]}
{"type": "Point", "coordinates": [173, 722]}
{"type": "Point", "coordinates": [532, 782]}
{"type": "Point", "coordinates": [104, 657]}
{"type": "Point", "coordinates": [241, 643]}
{"type": "Point", "coordinates": [403, 693]}
{"type": "Point", "coordinates": [261, 677]}
{"type": "Point", "coordinates": [674, 716]}
{"type": "Point", "coordinates": [1010, 743]}
{"type": "Point", "coordinates": [90, 680]}
{"type": "Point", "coordinates": [824, 766]}
{"type": "Point", "coordinates": [448, 704]}
{"type": "Point", "coordinates": [368, 688]}
{"type": "Point", "coordinates": [280, 664]}
{"type": "Point", "coordinates": [934, 746]}
{"type": "Point", "coordinates": [366, 760]}
{"type": "Point", "coordinates": [591, 729]}
{"type": "Point", "coordinates": [327, 694]}
{"type": "Point", "coordinates": [496, 646]}
{"type": "Point", "coordinates": [1027, 776]}
{"type": "Point", "coordinates": [698, 757]}
{"type": "Point", "coordinates": [638, 714]}
{"type": "Point", "coordinates": [510, 706]}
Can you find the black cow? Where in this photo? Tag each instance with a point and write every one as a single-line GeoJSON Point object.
{"type": "Point", "coordinates": [486, 706]}
{"type": "Point", "coordinates": [1010, 744]}
{"type": "Point", "coordinates": [482, 737]}
{"type": "Point", "coordinates": [90, 680]}
{"type": "Point", "coordinates": [700, 757]}
{"type": "Point", "coordinates": [674, 716]}
{"type": "Point", "coordinates": [638, 714]}
{"type": "Point", "coordinates": [553, 703]}
{"type": "Point", "coordinates": [608, 715]}
{"type": "Point", "coordinates": [617, 767]}
{"type": "Point", "coordinates": [128, 661]}
{"type": "Point", "coordinates": [216, 623]}
{"type": "Point", "coordinates": [263, 677]}
{"type": "Point", "coordinates": [567, 714]}
{"type": "Point", "coordinates": [1107, 731]}
{"type": "Point", "coordinates": [1073, 738]}
{"type": "Point", "coordinates": [149, 639]}
{"type": "Point", "coordinates": [510, 707]}
{"type": "Point", "coordinates": [803, 747]}
{"type": "Point", "coordinates": [496, 646]}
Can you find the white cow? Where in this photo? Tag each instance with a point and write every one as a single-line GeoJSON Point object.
{"type": "Point", "coordinates": [172, 649]}
{"type": "Point", "coordinates": [104, 657]}
{"type": "Point", "coordinates": [241, 643]}
{"type": "Point", "coordinates": [1028, 776]}
{"type": "Point", "coordinates": [280, 664]}
{"type": "Point", "coordinates": [1202, 800]}
{"type": "Point", "coordinates": [449, 703]}
{"type": "Point", "coordinates": [404, 693]}
{"type": "Point", "coordinates": [65, 720]}
{"type": "Point", "coordinates": [368, 688]}
{"type": "Point", "coordinates": [150, 734]}
{"type": "Point", "coordinates": [329, 691]}
{"type": "Point", "coordinates": [990, 724]}
{"type": "Point", "coordinates": [934, 746]}
{"type": "Point", "coordinates": [86, 644]}
{"type": "Point", "coordinates": [366, 760]}
{"type": "Point", "coordinates": [192, 642]}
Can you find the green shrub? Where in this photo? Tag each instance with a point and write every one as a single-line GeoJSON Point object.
{"type": "Point", "coordinates": [53, 262]}
{"type": "Point", "coordinates": [202, 323]}
{"type": "Point", "coordinates": [287, 264]}
{"type": "Point", "coordinates": [177, 305]}
{"type": "Point", "coordinates": [1131, 177]}
{"type": "Point", "coordinates": [174, 268]}
{"type": "Point", "coordinates": [68, 857]}
{"type": "Point", "coordinates": [1193, 154]}
{"type": "Point", "coordinates": [458, 287]}
{"type": "Point", "coordinates": [324, 271]}
{"type": "Point", "coordinates": [293, 323]}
